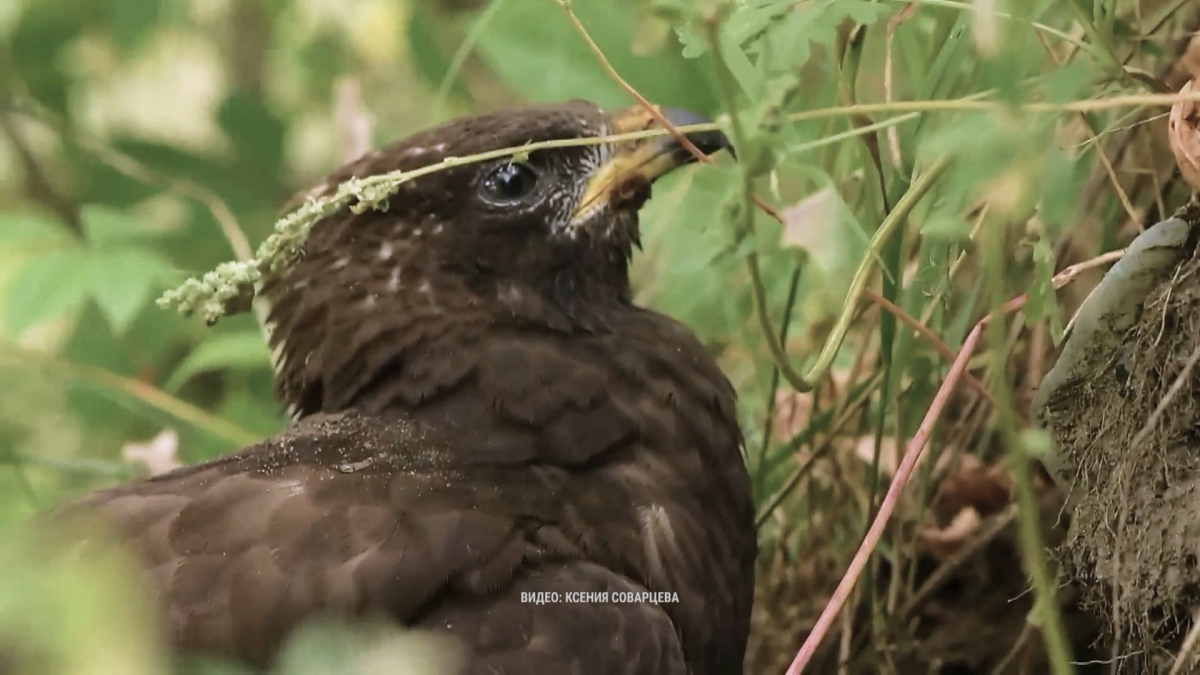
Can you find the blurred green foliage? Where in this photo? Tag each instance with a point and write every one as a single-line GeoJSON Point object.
{"type": "Point", "coordinates": [117, 115]}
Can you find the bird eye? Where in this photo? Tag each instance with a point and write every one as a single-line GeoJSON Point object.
{"type": "Point", "coordinates": [509, 183]}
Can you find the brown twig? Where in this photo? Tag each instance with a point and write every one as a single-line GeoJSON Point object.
{"type": "Point", "coordinates": [39, 187]}
{"type": "Point", "coordinates": [939, 345]}
{"type": "Point", "coordinates": [629, 89]}
{"type": "Point", "coordinates": [645, 102]}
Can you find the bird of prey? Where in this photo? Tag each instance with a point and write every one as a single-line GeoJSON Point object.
{"type": "Point", "coordinates": [490, 439]}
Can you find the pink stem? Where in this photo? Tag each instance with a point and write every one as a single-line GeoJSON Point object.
{"type": "Point", "coordinates": [903, 473]}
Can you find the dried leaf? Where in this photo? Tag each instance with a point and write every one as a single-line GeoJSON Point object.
{"type": "Point", "coordinates": [890, 455]}
{"type": "Point", "coordinates": [977, 486]}
{"type": "Point", "coordinates": [806, 223]}
{"type": "Point", "coordinates": [944, 542]}
{"type": "Point", "coordinates": [793, 409]}
{"type": "Point", "coordinates": [1183, 134]}
{"type": "Point", "coordinates": [824, 226]}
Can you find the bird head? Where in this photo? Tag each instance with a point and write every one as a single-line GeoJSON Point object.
{"type": "Point", "coordinates": [544, 238]}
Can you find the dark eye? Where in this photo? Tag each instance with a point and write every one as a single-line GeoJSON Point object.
{"type": "Point", "coordinates": [509, 183]}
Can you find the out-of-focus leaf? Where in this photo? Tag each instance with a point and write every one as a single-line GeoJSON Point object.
{"type": "Point", "coordinates": [1064, 179]}
{"type": "Point", "coordinates": [242, 351]}
{"type": "Point", "coordinates": [428, 57]}
{"type": "Point", "coordinates": [539, 54]}
{"type": "Point", "coordinates": [43, 31]}
{"type": "Point", "coordinates": [811, 24]}
{"type": "Point", "coordinates": [48, 287]}
{"type": "Point", "coordinates": [823, 224]}
{"type": "Point", "coordinates": [256, 411]}
{"type": "Point", "coordinates": [1070, 82]}
{"type": "Point", "coordinates": [1042, 303]}
{"type": "Point", "coordinates": [104, 224]}
{"type": "Point", "coordinates": [257, 134]}
{"type": "Point", "coordinates": [64, 609]}
{"type": "Point", "coordinates": [32, 229]}
{"type": "Point", "coordinates": [329, 646]}
{"type": "Point", "coordinates": [322, 60]}
{"type": "Point", "coordinates": [122, 281]}
{"type": "Point", "coordinates": [748, 22]}
{"type": "Point", "coordinates": [946, 219]}
{"type": "Point", "coordinates": [133, 21]}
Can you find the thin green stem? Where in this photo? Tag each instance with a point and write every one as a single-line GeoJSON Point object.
{"type": "Point", "coordinates": [1098, 42]}
{"type": "Point", "coordinates": [212, 293]}
{"type": "Point", "coordinates": [843, 417]}
{"type": "Point", "coordinates": [395, 178]}
{"type": "Point", "coordinates": [968, 7]}
{"type": "Point", "coordinates": [460, 56]}
{"type": "Point", "coordinates": [1033, 549]}
{"type": "Point", "coordinates": [140, 391]}
{"type": "Point", "coordinates": [852, 133]}
{"type": "Point", "coordinates": [858, 285]}
{"type": "Point", "coordinates": [773, 389]}
{"type": "Point", "coordinates": [91, 467]}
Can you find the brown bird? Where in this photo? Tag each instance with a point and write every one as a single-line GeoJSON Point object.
{"type": "Point", "coordinates": [483, 419]}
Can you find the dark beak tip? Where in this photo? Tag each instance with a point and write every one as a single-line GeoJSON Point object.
{"type": "Point", "coordinates": [708, 142]}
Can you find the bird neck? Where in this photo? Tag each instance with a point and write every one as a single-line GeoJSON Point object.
{"type": "Point", "coordinates": [338, 334]}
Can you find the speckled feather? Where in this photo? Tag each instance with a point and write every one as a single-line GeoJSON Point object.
{"type": "Point", "coordinates": [481, 411]}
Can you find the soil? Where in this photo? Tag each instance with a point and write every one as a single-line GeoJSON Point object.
{"type": "Point", "coordinates": [1134, 544]}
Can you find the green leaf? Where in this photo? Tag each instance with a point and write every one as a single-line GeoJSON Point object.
{"type": "Point", "coordinates": [33, 49]}
{"type": "Point", "coordinates": [428, 57]}
{"type": "Point", "coordinates": [106, 225]}
{"type": "Point", "coordinates": [1037, 443]}
{"type": "Point", "coordinates": [945, 220]}
{"type": "Point", "coordinates": [257, 132]}
{"type": "Point", "coordinates": [1042, 303]}
{"type": "Point", "coordinates": [32, 229]}
{"type": "Point", "coordinates": [794, 36]}
{"type": "Point", "coordinates": [133, 21]}
{"type": "Point", "coordinates": [49, 287]}
{"type": "Point", "coordinates": [244, 351]}
{"type": "Point", "coordinates": [539, 54]}
{"type": "Point", "coordinates": [747, 23]}
{"type": "Point", "coordinates": [825, 226]}
{"type": "Point", "coordinates": [123, 281]}
{"type": "Point", "coordinates": [534, 49]}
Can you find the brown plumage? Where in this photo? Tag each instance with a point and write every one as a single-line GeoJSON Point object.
{"type": "Point", "coordinates": [481, 412]}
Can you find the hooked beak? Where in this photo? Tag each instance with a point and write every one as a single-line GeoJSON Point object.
{"type": "Point", "coordinates": [623, 181]}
